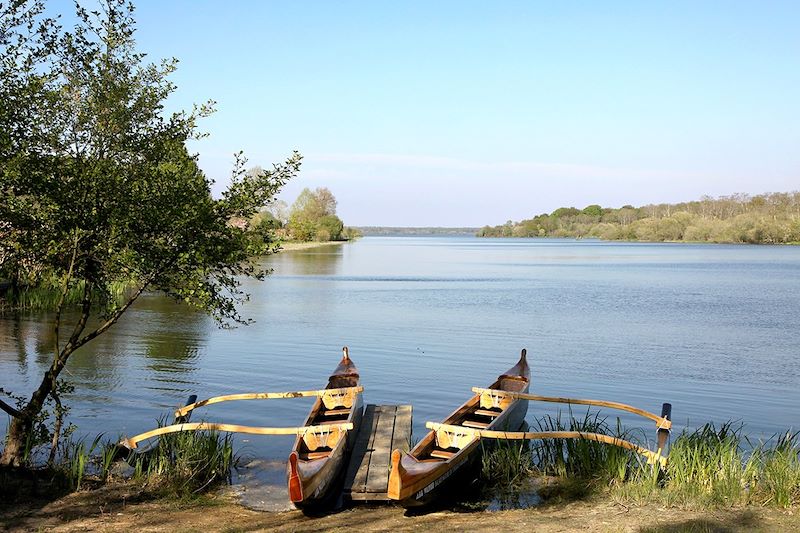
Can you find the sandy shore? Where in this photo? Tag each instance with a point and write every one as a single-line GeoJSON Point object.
{"type": "Point", "coordinates": [292, 246]}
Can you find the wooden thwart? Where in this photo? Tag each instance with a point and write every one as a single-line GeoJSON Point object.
{"type": "Point", "coordinates": [383, 428]}
{"type": "Point", "coordinates": [661, 422]}
{"type": "Point", "coordinates": [330, 395]}
{"type": "Point", "coordinates": [232, 428]}
{"type": "Point", "coordinates": [461, 432]}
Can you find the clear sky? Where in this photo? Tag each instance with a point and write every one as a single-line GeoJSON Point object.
{"type": "Point", "coordinates": [475, 112]}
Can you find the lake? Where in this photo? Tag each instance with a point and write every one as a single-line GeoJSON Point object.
{"type": "Point", "coordinates": [713, 329]}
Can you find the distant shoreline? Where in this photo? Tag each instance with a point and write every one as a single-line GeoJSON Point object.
{"type": "Point", "coordinates": [394, 231]}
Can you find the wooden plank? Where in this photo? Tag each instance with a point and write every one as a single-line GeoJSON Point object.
{"type": "Point", "coordinates": [378, 475]}
{"type": "Point", "coordinates": [383, 429]}
{"type": "Point", "coordinates": [442, 454]}
{"type": "Point", "coordinates": [356, 475]}
{"type": "Point", "coordinates": [402, 429]}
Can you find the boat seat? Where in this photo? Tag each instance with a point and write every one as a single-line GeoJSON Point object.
{"type": "Point", "coordinates": [475, 424]}
{"type": "Point", "coordinates": [488, 412]}
{"type": "Point", "coordinates": [442, 454]}
{"type": "Point", "coordinates": [310, 456]}
{"type": "Point", "coordinates": [328, 422]}
{"type": "Point", "coordinates": [336, 412]}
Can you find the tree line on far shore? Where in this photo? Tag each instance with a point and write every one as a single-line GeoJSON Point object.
{"type": "Point", "coordinates": [772, 218]}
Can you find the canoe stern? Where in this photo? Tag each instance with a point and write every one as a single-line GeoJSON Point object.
{"type": "Point", "coordinates": [295, 483]}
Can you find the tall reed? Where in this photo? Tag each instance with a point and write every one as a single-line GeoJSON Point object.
{"type": "Point", "coordinates": [506, 463]}
{"type": "Point", "coordinates": [780, 472]}
{"type": "Point", "coordinates": [583, 458]}
{"type": "Point", "coordinates": [713, 466]}
{"type": "Point", "coordinates": [187, 463]}
{"type": "Point", "coordinates": [46, 294]}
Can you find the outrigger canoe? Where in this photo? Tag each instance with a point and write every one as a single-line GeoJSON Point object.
{"type": "Point", "coordinates": [318, 458]}
{"type": "Point", "coordinates": [418, 477]}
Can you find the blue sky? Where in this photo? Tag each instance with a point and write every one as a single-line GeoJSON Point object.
{"type": "Point", "coordinates": [472, 113]}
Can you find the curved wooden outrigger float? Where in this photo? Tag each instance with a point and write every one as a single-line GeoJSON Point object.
{"type": "Point", "coordinates": [322, 442]}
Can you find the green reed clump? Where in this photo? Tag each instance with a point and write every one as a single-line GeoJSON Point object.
{"type": "Point", "coordinates": [46, 293]}
{"type": "Point", "coordinates": [707, 467]}
{"type": "Point", "coordinates": [187, 463]}
{"type": "Point", "coordinates": [583, 458]}
{"type": "Point", "coordinates": [78, 462]}
{"type": "Point", "coordinates": [712, 464]}
{"type": "Point", "coordinates": [779, 478]}
{"type": "Point", "coordinates": [506, 464]}
{"type": "Point", "coordinates": [711, 467]}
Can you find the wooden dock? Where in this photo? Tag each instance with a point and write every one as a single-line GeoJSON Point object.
{"type": "Point", "coordinates": [384, 428]}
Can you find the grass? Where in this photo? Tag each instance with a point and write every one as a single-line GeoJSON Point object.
{"type": "Point", "coordinates": [183, 466]}
{"type": "Point", "coordinates": [506, 464]}
{"type": "Point", "coordinates": [719, 467]}
{"type": "Point", "coordinates": [709, 467]}
{"type": "Point", "coordinates": [583, 458]}
{"type": "Point", "coordinates": [46, 294]}
{"type": "Point", "coordinates": [186, 464]}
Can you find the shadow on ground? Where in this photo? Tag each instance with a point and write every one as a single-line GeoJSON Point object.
{"type": "Point", "coordinates": [732, 522]}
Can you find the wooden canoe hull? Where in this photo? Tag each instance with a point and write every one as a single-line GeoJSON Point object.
{"type": "Point", "coordinates": [427, 471]}
{"type": "Point", "coordinates": [310, 478]}
{"type": "Point", "coordinates": [442, 479]}
{"type": "Point", "coordinates": [318, 477]}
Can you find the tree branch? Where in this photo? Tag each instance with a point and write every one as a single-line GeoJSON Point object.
{"type": "Point", "coordinates": [113, 319]}
{"type": "Point", "coordinates": [57, 428]}
{"type": "Point", "coordinates": [86, 308]}
{"type": "Point", "coordinates": [62, 297]}
{"type": "Point", "coordinates": [10, 410]}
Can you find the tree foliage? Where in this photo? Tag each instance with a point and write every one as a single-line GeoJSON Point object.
{"type": "Point", "coordinates": [98, 187]}
{"type": "Point", "coordinates": [313, 216]}
{"type": "Point", "coordinates": [772, 218]}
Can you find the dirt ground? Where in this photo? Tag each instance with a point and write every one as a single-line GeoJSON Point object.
{"type": "Point", "coordinates": [116, 508]}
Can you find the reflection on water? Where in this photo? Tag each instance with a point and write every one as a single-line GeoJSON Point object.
{"type": "Point", "coordinates": [320, 261]}
{"type": "Point", "coordinates": [710, 328]}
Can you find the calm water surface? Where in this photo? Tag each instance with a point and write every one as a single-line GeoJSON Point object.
{"type": "Point", "coordinates": [710, 328]}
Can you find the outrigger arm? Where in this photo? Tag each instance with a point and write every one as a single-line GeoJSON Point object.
{"type": "Point", "coordinates": [132, 442]}
{"type": "Point", "coordinates": [469, 433]}
{"type": "Point", "coordinates": [663, 423]}
{"type": "Point", "coordinates": [344, 395]}
{"type": "Point", "coordinates": [331, 398]}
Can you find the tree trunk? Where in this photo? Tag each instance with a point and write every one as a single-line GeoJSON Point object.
{"type": "Point", "coordinates": [21, 427]}
{"type": "Point", "coordinates": [14, 452]}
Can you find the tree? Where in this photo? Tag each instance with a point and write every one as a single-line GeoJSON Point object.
{"type": "Point", "coordinates": [313, 216]}
{"type": "Point", "coordinates": [593, 210]}
{"type": "Point", "coordinates": [98, 186]}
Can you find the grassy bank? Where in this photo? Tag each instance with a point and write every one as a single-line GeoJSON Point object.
{"type": "Point", "coordinates": [716, 480]}
{"type": "Point", "coordinates": [180, 466]}
{"type": "Point", "coordinates": [46, 294]}
{"type": "Point", "coordinates": [708, 468]}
